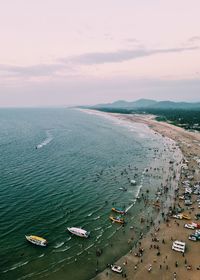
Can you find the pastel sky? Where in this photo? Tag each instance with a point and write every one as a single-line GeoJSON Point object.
{"type": "Point", "coordinates": [62, 52]}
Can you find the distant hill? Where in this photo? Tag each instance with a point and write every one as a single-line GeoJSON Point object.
{"type": "Point", "coordinates": [148, 104]}
{"type": "Point", "coordinates": [176, 105]}
{"type": "Point", "coordinates": [141, 103]}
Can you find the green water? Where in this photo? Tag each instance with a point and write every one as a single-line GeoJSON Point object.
{"type": "Point", "coordinates": [71, 179]}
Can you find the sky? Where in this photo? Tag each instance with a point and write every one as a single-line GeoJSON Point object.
{"type": "Point", "coordinates": [62, 52]}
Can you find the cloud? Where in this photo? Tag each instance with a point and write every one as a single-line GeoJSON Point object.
{"type": "Point", "coordinates": [121, 55]}
{"type": "Point", "coordinates": [108, 36]}
{"type": "Point", "coordinates": [194, 39]}
{"type": "Point", "coordinates": [132, 40]}
{"type": "Point", "coordinates": [69, 65]}
{"type": "Point", "coordinates": [33, 70]}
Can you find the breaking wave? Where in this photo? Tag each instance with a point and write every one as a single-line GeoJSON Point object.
{"type": "Point", "coordinates": [48, 139]}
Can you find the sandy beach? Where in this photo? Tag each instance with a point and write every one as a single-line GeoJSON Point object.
{"type": "Point", "coordinates": [155, 248]}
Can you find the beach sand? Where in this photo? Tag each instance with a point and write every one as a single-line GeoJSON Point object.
{"type": "Point", "coordinates": [166, 263]}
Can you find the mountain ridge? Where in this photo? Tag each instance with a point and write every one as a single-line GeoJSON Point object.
{"type": "Point", "coordinates": [148, 104]}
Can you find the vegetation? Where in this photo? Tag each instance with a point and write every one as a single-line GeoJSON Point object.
{"type": "Point", "coordinates": [188, 119]}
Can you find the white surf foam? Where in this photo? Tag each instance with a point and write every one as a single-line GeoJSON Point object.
{"type": "Point", "coordinates": [96, 218]}
{"type": "Point", "coordinates": [99, 236]}
{"type": "Point", "coordinates": [58, 245]}
{"type": "Point", "coordinates": [98, 228]}
{"type": "Point", "coordinates": [138, 191]}
{"type": "Point", "coordinates": [79, 253]}
{"type": "Point", "coordinates": [111, 235]}
{"type": "Point", "coordinates": [109, 226]}
{"type": "Point", "coordinates": [128, 208]}
{"type": "Point", "coordinates": [62, 250]}
{"type": "Point", "coordinates": [89, 247]}
{"type": "Point", "coordinates": [15, 266]}
{"type": "Point", "coordinates": [48, 139]}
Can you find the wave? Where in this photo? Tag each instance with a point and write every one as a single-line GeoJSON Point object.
{"type": "Point", "coordinates": [48, 139]}
{"type": "Point", "coordinates": [90, 214]}
{"type": "Point", "coordinates": [70, 262]}
{"type": "Point", "coordinates": [99, 236]}
{"type": "Point", "coordinates": [128, 208]}
{"type": "Point", "coordinates": [79, 253]}
{"type": "Point", "coordinates": [119, 228]}
{"type": "Point", "coordinates": [89, 247]}
{"type": "Point", "coordinates": [111, 235]}
{"type": "Point", "coordinates": [109, 226]}
{"type": "Point", "coordinates": [62, 260]}
{"type": "Point", "coordinates": [26, 276]}
{"type": "Point", "coordinates": [138, 191]}
{"type": "Point", "coordinates": [62, 250]}
{"type": "Point", "coordinates": [58, 245]}
{"type": "Point", "coordinates": [96, 218]}
{"type": "Point", "coordinates": [15, 266]}
{"type": "Point", "coordinates": [98, 228]}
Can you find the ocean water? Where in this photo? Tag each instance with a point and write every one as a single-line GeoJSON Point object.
{"type": "Point", "coordinates": [73, 178]}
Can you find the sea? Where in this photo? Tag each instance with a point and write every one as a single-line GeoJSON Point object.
{"type": "Point", "coordinates": [64, 168]}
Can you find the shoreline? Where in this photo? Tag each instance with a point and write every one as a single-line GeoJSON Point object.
{"type": "Point", "coordinates": [163, 264]}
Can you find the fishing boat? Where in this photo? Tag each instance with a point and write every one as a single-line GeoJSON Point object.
{"type": "Point", "coordinates": [119, 210]}
{"type": "Point", "coordinates": [79, 232]}
{"type": "Point", "coordinates": [117, 220]}
{"type": "Point", "coordinates": [36, 240]}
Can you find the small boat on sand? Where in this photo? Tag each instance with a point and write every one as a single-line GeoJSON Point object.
{"type": "Point", "coordinates": [116, 268]}
{"type": "Point", "coordinates": [119, 210]}
{"type": "Point", "coordinates": [36, 240]}
{"type": "Point", "coordinates": [186, 216]}
{"type": "Point", "coordinates": [79, 232]}
{"type": "Point", "coordinates": [117, 220]}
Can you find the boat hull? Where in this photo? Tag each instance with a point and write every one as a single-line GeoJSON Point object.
{"type": "Point", "coordinates": [119, 221]}
{"type": "Point", "coordinates": [36, 240]}
{"type": "Point", "coordinates": [79, 232]}
{"type": "Point", "coordinates": [118, 211]}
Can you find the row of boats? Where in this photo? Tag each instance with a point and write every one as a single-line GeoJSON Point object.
{"type": "Point", "coordinates": [118, 219]}
{"type": "Point", "coordinates": [40, 241]}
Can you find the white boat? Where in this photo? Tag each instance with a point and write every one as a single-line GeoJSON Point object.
{"type": "Point", "coordinates": [38, 146]}
{"type": "Point", "coordinates": [133, 182]}
{"type": "Point", "coordinates": [123, 189]}
{"type": "Point", "coordinates": [116, 268]}
{"type": "Point", "coordinates": [36, 240]}
{"type": "Point", "coordinates": [79, 232]}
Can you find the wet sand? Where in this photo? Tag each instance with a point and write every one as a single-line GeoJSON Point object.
{"type": "Point", "coordinates": [156, 245]}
